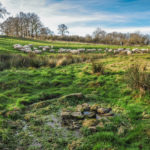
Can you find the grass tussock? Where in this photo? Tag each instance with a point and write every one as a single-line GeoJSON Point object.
{"type": "Point", "coordinates": [137, 77]}
{"type": "Point", "coordinates": [98, 68]}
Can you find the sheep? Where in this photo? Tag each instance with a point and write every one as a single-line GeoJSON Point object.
{"type": "Point", "coordinates": [116, 51]}
{"type": "Point", "coordinates": [91, 50]}
{"type": "Point", "coordinates": [110, 50]}
{"type": "Point", "coordinates": [52, 51]}
{"type": "Point", "coordinates": [30, 45]}
{"type": "Point", "coordinates": [144, 50]}
{"type": "Point", "coordinates": [75, 51]}
{"type": "Point", "coordinates": [37, 51]}
{"type": "Point", "coordinates": [129, 52]}
{"type": "Point", "coordinates": [18, 46]}
{"type": "Point", "coordinates": [81, 50]}
{"type": "Point", "coordinates": [40, 47]}
{"type": "Point", "coordinates": [135, 50]}
{"type": "Point", "coordinates": [28, 51]}
{"type": "Point", "coordinates": [99, 50]}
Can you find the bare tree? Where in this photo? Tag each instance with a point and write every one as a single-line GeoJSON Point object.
{"type": "Point", "coordinates": [63, 29]}
{"type": "Point", "coordinates": [24, 25]}
{"type": "Point", "coordinates": [99, 35]}
{"type": "Point", "coordinates": [3, 11]}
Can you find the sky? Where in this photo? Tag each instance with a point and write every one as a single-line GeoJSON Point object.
{"type": "Point", "coordinates": [84, 16]}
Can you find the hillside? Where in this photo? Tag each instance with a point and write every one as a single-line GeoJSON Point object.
{"type": "Point", "coordinates": [38, 91]}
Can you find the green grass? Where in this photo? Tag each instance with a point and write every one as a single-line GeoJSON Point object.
{"type": "Point", "coordinates": [31, 100]}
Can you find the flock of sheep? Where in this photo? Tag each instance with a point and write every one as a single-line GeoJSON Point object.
{"type": "Point", "coordinates": [30, 49]}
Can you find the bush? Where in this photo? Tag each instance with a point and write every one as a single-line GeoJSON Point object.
{"type": "Point", "coordinates": [137, 77]}
{"type": "Point", "coordinates": [98, 68]}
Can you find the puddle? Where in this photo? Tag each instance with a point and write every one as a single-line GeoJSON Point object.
{"type": "Point", "coordinates": [55, 123]}
{"type": "Point", "coordinates": [86, 113]}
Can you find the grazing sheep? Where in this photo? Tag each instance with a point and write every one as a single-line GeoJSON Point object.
{"type": "Point", "coordinates": [18, 46]}
{"type": "Point", "coordinates": [52, 51]}
{"type": "Point", "coordinates": [116, 51]}
{"type": "Point", "coordinates": [144, 50]}
{"type": "Point", "coordinates": [81, 50]}
{"type": "Point", "coordinates": [91, 50]}
{"type": "Point", "coordinates": [75, 51]}
{"type": "Point", "coordinates": [28, 51]}
{"type": "Point", "coordinates": [99, 50]}
{"type": "Point", "coordinates": [30, 45]}
{"type": "Point", "coordinates": [37, 51]}
{"type": "Point", "coordinates": [110, 50]}
{"type": "Point", "coordinates": [61, 50]}
{"type": "Point", "coordinates": [129, 52]}
{"type": "Point", "coordinates": [40, 47]}
{"type": "Point", "coordinates": [135, 50]}
{"type": "Point", "coordinates": [35, 48]}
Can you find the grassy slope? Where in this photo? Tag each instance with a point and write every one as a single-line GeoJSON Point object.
{"type": "Point", "coordinates": [6, 44]}
{"type": "Point", "coordinates": [44, 86]}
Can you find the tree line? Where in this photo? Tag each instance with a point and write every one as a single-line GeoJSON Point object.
{"type": "Point", "coordinates": [29, 25]}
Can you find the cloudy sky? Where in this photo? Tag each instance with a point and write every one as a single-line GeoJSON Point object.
{"type": "Point", "coordinates": [84, 16]}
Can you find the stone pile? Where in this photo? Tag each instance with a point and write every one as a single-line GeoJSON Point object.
{"type": "Point", "coordinates": [86, 116]}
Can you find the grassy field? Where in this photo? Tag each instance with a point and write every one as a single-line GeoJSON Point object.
{"type": "Point", "coordinates": [31, 101]}
{"type": "Point", "coordinates": [6, 44]}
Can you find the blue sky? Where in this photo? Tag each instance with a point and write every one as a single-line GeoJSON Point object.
{"type": "Point", "coordinates": [84, 16]}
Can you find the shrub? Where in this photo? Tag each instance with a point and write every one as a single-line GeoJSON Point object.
{"type": "Point", "coordinates": [98, 68]}
{"type": "Point", "coordinates": [137, 77]}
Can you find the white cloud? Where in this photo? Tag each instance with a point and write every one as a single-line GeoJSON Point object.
{"type": "Point", "coordinates": [75, 16]}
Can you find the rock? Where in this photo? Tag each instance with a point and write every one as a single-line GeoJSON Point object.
{"type": "Point", "coordinates": [76, 125]}
{"type": "Point", "coordinates": [121, 130]}
{"type": "Point", "coordinates": [109, 114]}
{"type": "Point", "coordinates": [94, 107]}
{"type": "Point", "coordinates": [77, 115]}
{"type": "Point", "coordinates": [89, 122]}
{"type": "Point", "coordinates": [103, 110]}
{"type": "Point", "coordinates": [66, 115]}
{"type": "Point", "coordinates": [85, 107]}
{"type": "Point", "coordinates": [89, 114]}
{"type": "Point", "coordinates": [79, 108]}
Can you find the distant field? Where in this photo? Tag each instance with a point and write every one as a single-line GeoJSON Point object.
{"type": "Point", "coordinates": [6, 44]}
